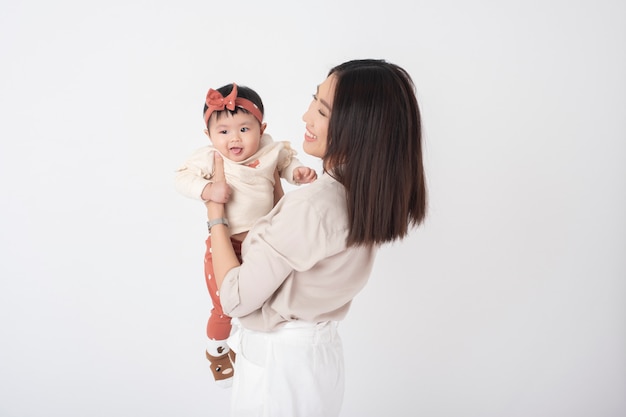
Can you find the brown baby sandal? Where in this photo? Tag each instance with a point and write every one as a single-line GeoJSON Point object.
{"type": "Point", "coordinates": [222, 368]}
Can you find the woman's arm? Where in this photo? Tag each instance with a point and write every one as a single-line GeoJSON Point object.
{"type": "Point", "coordinates": [224, 258]}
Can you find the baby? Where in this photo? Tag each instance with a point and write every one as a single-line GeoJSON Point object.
{"type": "Point", "coordinates": [253, 166]}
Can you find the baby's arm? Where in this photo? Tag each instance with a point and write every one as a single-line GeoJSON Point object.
{"type": "Point", "coordinates": [278, 187]}
{"type": "Point", "coordinates": [304, 175]}
{"type": "Point", "coordinates": [291, 169]}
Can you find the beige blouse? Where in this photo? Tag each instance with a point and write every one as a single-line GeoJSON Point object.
{"type": "Point", "coordinates": [296, 265]}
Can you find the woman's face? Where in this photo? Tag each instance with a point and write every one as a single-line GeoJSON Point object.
{"type": "Point", "coordinates": [317, 118]}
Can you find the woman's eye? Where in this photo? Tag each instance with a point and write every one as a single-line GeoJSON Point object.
{"type": "Point", "coordinates": [320, 111]}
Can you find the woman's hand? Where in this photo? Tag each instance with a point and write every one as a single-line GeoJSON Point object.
{"type": "Point", "coordinates": [215, 209]}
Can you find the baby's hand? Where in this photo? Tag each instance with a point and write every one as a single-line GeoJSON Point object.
{"type": "Point", "coordinates": [304, 175]}
{"type": "Point", "coordinates": [220, 192]}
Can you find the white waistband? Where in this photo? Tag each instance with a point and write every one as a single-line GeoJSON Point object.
{"type": "Point", "coordinates": [299, 324]}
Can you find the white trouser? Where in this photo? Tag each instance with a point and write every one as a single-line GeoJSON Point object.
{"type": "Point", "coordinates": [297, 371]}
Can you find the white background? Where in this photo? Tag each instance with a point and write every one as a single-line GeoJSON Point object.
{"type": "Point", "coordinates": [510, 301]}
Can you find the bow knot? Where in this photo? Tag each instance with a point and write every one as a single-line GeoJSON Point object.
{"type": "Point", "coordinates": [215, 101]}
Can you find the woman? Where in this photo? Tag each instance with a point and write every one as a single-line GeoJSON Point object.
{"type": "Point", "coordinates": [307, 259]}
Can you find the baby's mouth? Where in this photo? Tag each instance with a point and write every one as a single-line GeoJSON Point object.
{"type": "Point", "coordinates": [236, 151]}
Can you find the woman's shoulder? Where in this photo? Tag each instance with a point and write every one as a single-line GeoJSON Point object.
{"type": "Point", "coordinates": [325, 197]}
{"type": "Point", "coordinates": [323, 188]}
{"type": "Point", "coordinates": [316, 212]}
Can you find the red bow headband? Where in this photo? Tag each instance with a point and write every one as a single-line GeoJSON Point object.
{"type": "Point", "coordinates": [215, 101]}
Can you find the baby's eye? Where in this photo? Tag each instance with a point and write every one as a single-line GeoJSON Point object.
{"type": "Point", "coordinates": [245, 129]}
{"type": "Point", "coordinates": [223, 132]}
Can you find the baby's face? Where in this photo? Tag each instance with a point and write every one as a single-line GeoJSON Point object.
{"type": "Point", "coordinates": [236, 136]}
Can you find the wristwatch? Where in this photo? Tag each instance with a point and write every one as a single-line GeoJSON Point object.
{"type": "Point", "coordinates": [213, 222]}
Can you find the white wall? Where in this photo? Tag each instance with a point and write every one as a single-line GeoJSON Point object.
{"type": "Point", "coordinates": [509, 302]}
